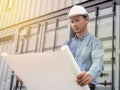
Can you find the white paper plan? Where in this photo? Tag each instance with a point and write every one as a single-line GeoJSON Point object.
{"type": "Point", "coordinates": [47, 71]}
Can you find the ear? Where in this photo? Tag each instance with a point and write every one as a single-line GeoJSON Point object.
{"type": "Point", "coordinates": [87, 18]}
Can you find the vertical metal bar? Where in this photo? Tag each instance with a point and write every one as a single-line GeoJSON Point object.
{"type": "Point", "coordinates": [22, 45]}
{"type": "Point", "coordinates": [11, 82]}
{"type": "Point", "coordinates": [21, 86]}
{"type": "Point", "coordinates": [28, 37]}
{"type": "Point", "coordinates": [38, 31]}
{"type": "Point", "coordinates": [46, 23]}
{"type": "Point", "coordinates": [55, 35]}
{"type": "Point", "coordinates": [96, 19]}
{"type": "Point", "coordinates": [2, 69]}
{"type": "Point", "coordinates": [18, 40]}
{"type": "Point", "coordinates": [19, 81]}
{"type": "Point", "coordinates": [119, 72]}
{"type": "Point", "coordinates": [113, 47]}
{"type": "Point", "coordinates": [40, 37]}
{"type": "Point", "coordinates": [16, 86]}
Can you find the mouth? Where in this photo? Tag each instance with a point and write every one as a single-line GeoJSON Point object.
{"type": "Point", "coordinates": [75, 29]}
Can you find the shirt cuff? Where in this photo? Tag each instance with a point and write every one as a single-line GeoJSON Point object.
{"type": "Point", "coordinates": [92, 74]}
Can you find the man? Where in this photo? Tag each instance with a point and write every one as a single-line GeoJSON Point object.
{"type": "Point", "coordinates": [87, 50]}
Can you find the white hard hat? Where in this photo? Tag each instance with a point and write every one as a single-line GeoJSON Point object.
{"type": "Point", "coordinates": [77, 10]}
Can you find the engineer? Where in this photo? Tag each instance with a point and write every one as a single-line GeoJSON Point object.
{"type": "Point", "coordinates": [87, 49]}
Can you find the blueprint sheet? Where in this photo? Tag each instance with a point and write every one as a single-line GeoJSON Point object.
{"type": "Point", "coordinates": [47, 71]}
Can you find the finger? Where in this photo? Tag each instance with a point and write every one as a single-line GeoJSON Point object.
{"type": "Point", "coordinates": [85, 81]}
{"type": "Point", "coordinates": [80, 75]}
{"type": "Point", "coordinates": [82, 79]}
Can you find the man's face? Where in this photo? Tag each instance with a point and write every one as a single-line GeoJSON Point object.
{"type": "Point", "coordinates": [79, 23]}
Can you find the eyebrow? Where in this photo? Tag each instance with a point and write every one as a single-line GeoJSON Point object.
{"type": "Point", "coordinates": [75, 17]}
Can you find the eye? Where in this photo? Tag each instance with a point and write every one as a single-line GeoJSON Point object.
{"type": "Point", "coordinates": [72, 21]}
{"type": "Point", "coordinates": [77, 19]}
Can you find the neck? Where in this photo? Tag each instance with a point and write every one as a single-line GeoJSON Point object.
{"type": "Point", "coordinates": [80, 34]}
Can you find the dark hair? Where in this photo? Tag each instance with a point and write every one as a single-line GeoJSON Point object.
{"type": "Point", "coordinates": [85, 16]}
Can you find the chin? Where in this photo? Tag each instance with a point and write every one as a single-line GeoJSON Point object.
{"type": "Point", "coordinates": [76, 31]}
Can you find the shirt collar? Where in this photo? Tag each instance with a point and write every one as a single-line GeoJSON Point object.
{"type": "Point", "coordinates": [83, 37]}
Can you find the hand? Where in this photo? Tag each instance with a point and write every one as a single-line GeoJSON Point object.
{"type": "Point", "coordinates": [83, 78]}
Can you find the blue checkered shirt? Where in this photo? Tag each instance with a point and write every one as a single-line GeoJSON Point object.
{"type": "Point", "coordinates": [88, 53]}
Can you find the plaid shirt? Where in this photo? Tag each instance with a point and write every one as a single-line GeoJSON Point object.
{"type": "Point", "coordinates": [88, 53]}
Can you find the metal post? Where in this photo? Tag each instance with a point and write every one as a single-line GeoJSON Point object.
{"type": "Point", "coordinates": [37, 39]}
{"type": "Point", "coordinates": [23, 40]}
{"type": "Point", "coordinates": [113, 47]}
{"type": "Point", "coordinates": [46, 23]}
{"type": "Point", "coordinates": [57, 21]}
{"type": "Point", "coordinates": [21, 86]}
{"type": "Point", "coordinates": [96, 19]}
{"type": "Point", "coordinates": [16, 86]}
{"type": "Point", "coordinates": [28, 38]}
{"type": "Point", "coordinates": [11, 82]}
{"type": "Point", "coordinates": [40, 37]}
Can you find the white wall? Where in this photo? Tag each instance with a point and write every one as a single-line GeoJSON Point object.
{"type": "Point", "coordinates": [22, 10]}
